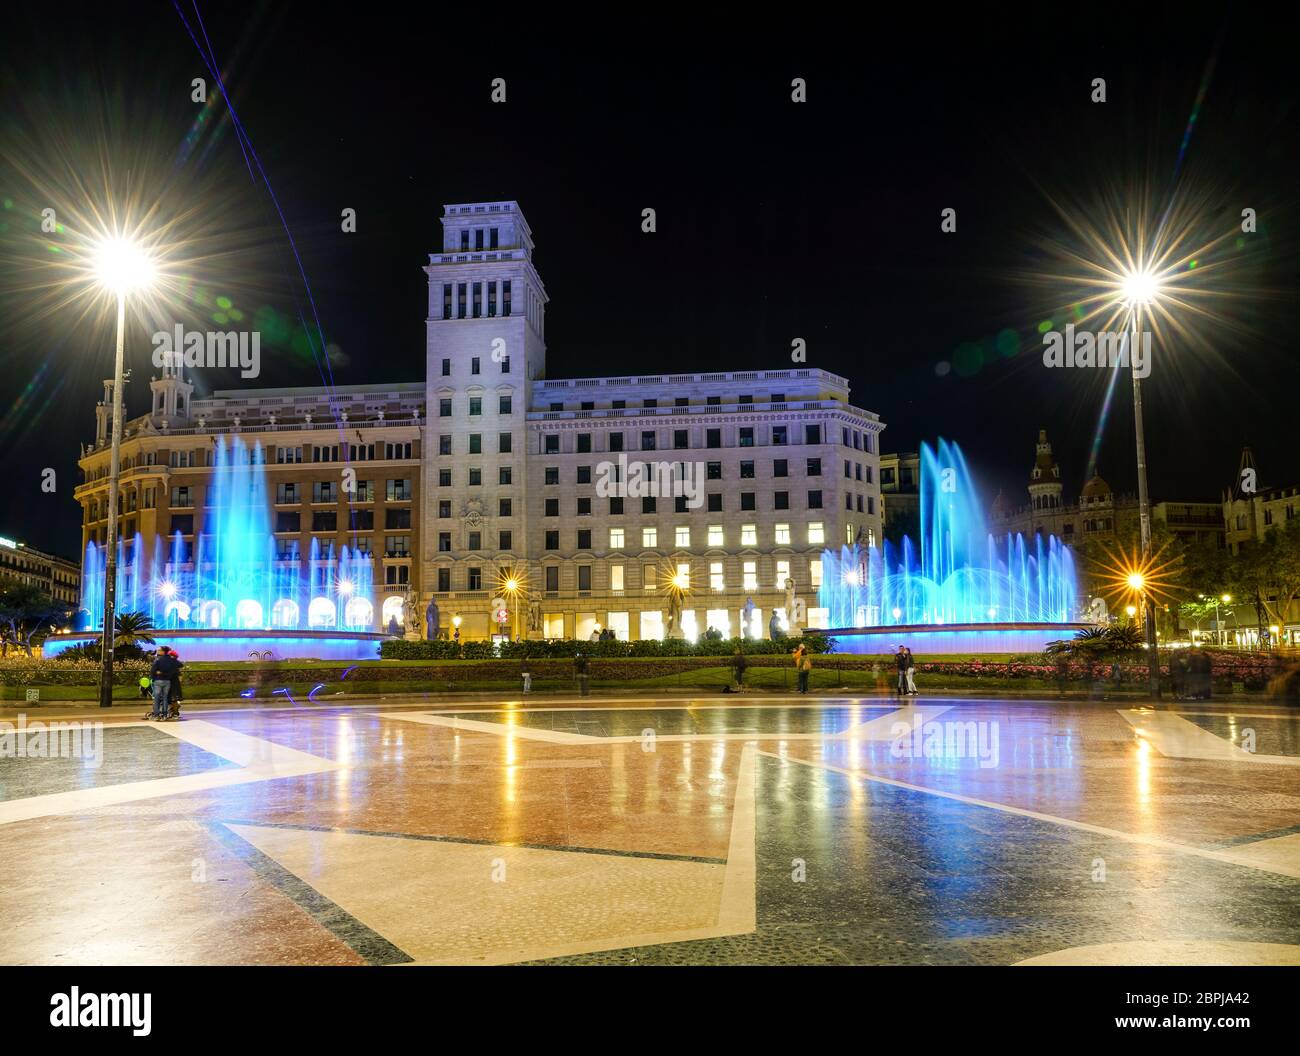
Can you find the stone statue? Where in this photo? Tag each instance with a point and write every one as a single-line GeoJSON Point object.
{"type": "Point", "coordinates": [535, 616]}
{"type": "Point", "coordinates": [674, 628]}
{"type": "Point", "coordinates": [747, 618]}
{"type": "Point", "coordinates": [774, 627]}
{"type": "Point", "coordinates": [789, 603]}
{"type": "Point", "coordinates": [432, 621]}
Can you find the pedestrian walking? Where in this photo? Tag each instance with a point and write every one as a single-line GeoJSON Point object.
{"type": "Point", "coordinates": [911, 673]}
{"type": "Point", "coordinates": [174, 690]}
{"type": "Point", "coordinates": [900, 663]}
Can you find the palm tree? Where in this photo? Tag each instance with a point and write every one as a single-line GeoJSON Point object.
{"type": "Point", "coordinates": [132, 629]}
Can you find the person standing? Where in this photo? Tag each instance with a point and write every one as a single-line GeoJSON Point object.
{"type": "Point", "coordinates": [174, 693]}
{"type": "Point", "coordinates": [900, 662]}
{"type": "Point", "coordinates": [527, 674]}
{"type": "Point", "coordinates": [805, 672]}
{"type": "Point", "coordinates": [911, 674]}
{"type": "Point", "coordinates": [164, 668]}
{"type": "Point", "coordinates": [738, 666]}
{"type": "Point", "coordinates": [584, 679]}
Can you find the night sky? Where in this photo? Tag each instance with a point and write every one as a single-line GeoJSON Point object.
{"type": "Point", "coordinates": [775, 220]}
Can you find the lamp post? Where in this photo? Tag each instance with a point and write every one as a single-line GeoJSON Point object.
{"type": "Point", "coordinates": [1140, 288]}
{"type": "Point", "coordinates": [122, 267]}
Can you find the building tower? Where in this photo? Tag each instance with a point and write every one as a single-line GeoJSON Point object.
{"type": "Point", "coordinates": [1045, 478]}
{"type": "Point", "coordinates": [485, 342]}
{"type": "Point", "coordinates": [171, 393]}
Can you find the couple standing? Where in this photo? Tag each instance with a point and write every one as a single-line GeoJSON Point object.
{"type": "Point", "coordinates": [906, 672]}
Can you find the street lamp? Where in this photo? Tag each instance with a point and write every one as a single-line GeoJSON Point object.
{"type": "Point", "coordinates": [121, 267]}
{"type": "Point", "coordinates": [1140, 287]}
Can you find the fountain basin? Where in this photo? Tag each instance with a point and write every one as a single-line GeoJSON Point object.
{"type": "Point", "coordinates": [243, 644]}
{"type": "Point", "coordinates": [930, 639]}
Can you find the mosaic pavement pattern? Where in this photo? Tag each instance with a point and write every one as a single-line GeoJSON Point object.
{"type": "Point", "coordinates": [839, 831]}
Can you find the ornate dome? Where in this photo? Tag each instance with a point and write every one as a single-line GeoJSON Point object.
{"type": "Point", "coordinates": [1095, 489]}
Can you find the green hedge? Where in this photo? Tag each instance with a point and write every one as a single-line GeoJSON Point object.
{"type": "Point", "coordinates": [402, 649]}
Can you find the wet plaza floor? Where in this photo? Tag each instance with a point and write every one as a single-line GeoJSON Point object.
{"type": "Point", "coordinates": [759, 831]}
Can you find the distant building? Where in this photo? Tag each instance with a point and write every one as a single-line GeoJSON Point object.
{"type": "Point", "coordinates": [487, 469]}
{"type": "Point", "coordinates": [1099, 514]}
{"type": "Point", "coordinates": [900, 491]}
{"type": "Point", "coordinates": [57, 576]}
{"type": "Point", "coordinates": [1249, 511]}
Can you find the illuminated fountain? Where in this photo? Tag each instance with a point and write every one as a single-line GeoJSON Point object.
{"type": "Point", "coordinates": [234, 594]}
{"type": "Point", "coordinates": [963, 590]}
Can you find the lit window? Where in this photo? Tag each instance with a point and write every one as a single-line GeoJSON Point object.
{"type": "Point", "coordinates": [649, 577]}
{"type": "Point", "coordinates": [816, 534]}
{"type": "Point", "coordinates": [716, 579]}
{"type": "Point", "coordinates": [616, 538]}
{"type": "Point", "coordinates": [848, 535]}
{"type": "Point", "coordinates": [683, 536]}
{"type": "Point", "coordinates": [815, 572]}
{"type": "Point", "coordinates": [683, 578]}
{"type": "Point", "coordinates": [748, 535]}
{"type": "Point", "coordinates": [751, 575]}
{"type": "Point", "coordinates": [782, 574]}
{"type": "Point", "coordinates": [715, 535]}
{"type": "Point", "coordinates": [783, 535]}
{"type": "Point", "coordinates": [616, 578]}
{"type": "Point", "coordinates": [649, 537]}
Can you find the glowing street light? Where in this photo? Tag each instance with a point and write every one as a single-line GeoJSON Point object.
{"type": "Point", "coordinates": [121, 266]}
{"type": "Point", "coordinates": [1136, 582]}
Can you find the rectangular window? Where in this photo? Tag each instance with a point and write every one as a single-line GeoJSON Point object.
{"type": "Point", "coordinates": [552, 507]}
{"type": "Point", "coordinates": [584, 539]}
{"type": "Point", "coordinates": [444, 444]}
{"type": "Point", "coordinates": [815, 572]}
{"type": "Point", "coordinates": [814, 467]}
{"type": "Point", "coordinates": [475, 543]}
{"type": "Point", "coordinates": [504, 443]}
{"type": "Point", "coordinates": [476, 405]}
{"type": "Point", "coordinates": [812, 434]}
{"type": "Point", "coordinates": [475, 443]}
{"type": "Point", "coordinates": [715, 502]}
{"type": "Point", "coordinates": [814, 500]}
{"type": "Point", "coordinates": [749, 535]}
{"type": "Point", "coordinates": [782, 574]}
{"type": "Point", "coordinates": [503, 404]}
{"type": "Point", "coordinates": [444, 478]}
{"type": "Point", "coordinates": [648, 440]}
{"type": "Point", "coordinates": [680, 439]}
{"type": "Point", "coordinates": [713, 438]}
{"type": "Point", "coordinates": [682, 536]}
{"type": "Point", "coordinates": [505, 541]}
{"type": "Point", "coordinates": [552, 540]}
{"type": "Point", "coordinates": [746, 470]}
{"type": "Point", "coordinates": [750, 571]}
{"type": "Point", "coordinates": [584, 576]}
{"type": "Point", "coordinates": [553, 579]}
{"type": "Point", "coordinates": [816, 534]}
{"type": "Point", "coordinates": [475, 578]}
{"type": "Point", "coordinates": [504, 475]}
{"type": "Point", "coordinates": [444, 542]}
{"type": "Point", "coordinates": [746, 436]}
{"type": "Point", "coordinates": [552, 442]}
{"type": "Point", "coordinates": [444, 579]}
{"type": "Point", "coordinates": [474, 364]}
{"type": "Point", "coordinates": [716, 535]}
{"type": "Point", "coordinates": [616, 538]}
{"type": "Point", "coordinates": [616, 441]}
{"type": "Point", "coordinates": [717, 581]}
{"type": "Point", "coordinates": [649, 578]}
{"type": "Point", "coordinates": [584, 474]}
{"type": "Point", "coordinates": [713, 471]}
{"type": "Point", "coordinates": [584, 443]}
{"type": "Point", "coordinates": [616, 578]}
{"type": "Point", "coordinates": [649, 538]}
{"type": "Point", "coordinates": [747, 500]}
{"type": "Point", "coordinates": [782, 535]}
{"type": "Point", "coordinates": [504, 508]}
{"type": "Point", "coordinates": [584, 507]}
